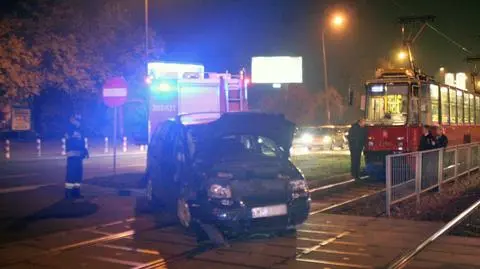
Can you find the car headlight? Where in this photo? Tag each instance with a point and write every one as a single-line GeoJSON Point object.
{"type": "Point", "coordinates": [219, 191]}
{"type": "Point", "coordinates": [299, 185]}
{"type": "Point", "coordinates": [327, 139]}
{"type": "Point", "coordinates": [307, 138]}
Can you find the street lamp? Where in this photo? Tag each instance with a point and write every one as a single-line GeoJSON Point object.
{"type": "Point", "coordinates": [402, 55]}
{"type": "Point", "coordinates": [337, 21]}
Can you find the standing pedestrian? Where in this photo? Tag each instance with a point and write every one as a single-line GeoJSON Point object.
{"type": "Point", "coordinates": [76, 152]}
{"type": "Point", "coordinates": [442, 139]}
{"type": "Point", "coordinates": [356, 143]}
{"type": "Point", "coordinates": [427, 140]}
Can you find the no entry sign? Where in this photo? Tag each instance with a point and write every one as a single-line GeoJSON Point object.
{"type": "Point", "coordinates": [115, 92]}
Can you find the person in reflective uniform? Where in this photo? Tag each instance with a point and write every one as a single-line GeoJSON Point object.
{"type": "Point", "coordinates": [76, 152]}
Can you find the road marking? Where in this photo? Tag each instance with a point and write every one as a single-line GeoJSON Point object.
{"type": "Point", "coordinates": [117, 261]}
{"type": "Point", "coordinates": [18, 176]}
{"type": "Point", "coordinates": [23, 188]}
{"type": "Point", "coordinates": [129, 249]}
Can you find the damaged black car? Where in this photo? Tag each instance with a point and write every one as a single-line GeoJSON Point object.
{"type": "Point", "coordinates": [232, 170]}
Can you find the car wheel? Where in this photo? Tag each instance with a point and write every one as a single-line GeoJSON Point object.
{"type": "Point", "coordinates": [183, 213]}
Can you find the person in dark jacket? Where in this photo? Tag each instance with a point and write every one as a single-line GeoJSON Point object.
{"type": "Point", "coordinates": [442, 139]}
{"type": "Point", "coordinates": [356, 140]}
{"type": "Point", "coordinates": [76, 153]}
{"type": "Point", "coordinates": [427, 140]}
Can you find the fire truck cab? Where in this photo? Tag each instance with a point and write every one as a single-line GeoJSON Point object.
{"type": "Point", "coordinates": [177, 93]}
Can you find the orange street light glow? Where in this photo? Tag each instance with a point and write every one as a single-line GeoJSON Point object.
{"type": "Point", "coordinates": [402, 55]}
{"type": "Point", "coordinates": [338, 20]}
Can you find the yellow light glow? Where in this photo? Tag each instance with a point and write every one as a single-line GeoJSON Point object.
{"type": "Point", "coordinates": [442, 69]}
{"type": "Point", "coordinates": [402, 55]}
{"type": "Point", "coordinates": [338, 20]}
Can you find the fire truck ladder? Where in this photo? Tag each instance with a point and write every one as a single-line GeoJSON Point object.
{"type": "Point", "coordinates": [234, 96]}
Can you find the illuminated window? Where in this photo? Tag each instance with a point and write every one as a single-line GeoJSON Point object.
{"type": "Point", "coordinates": [444, 105]}
{"type": "Point", "coordinates": [477, 110]}
{"type": "Point", "coordinates": [472, 108]}
{"type": "Point", "coordinates": [459, 107]}
{"type": "Point", "coordinates": [453, 106]}
{"type": "Point", "coordinates": [434, 96]}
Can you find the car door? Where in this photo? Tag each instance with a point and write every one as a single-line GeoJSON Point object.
{"type": "Point", "coordinates": [178, 180]}
{"type": "Point", "coordinates": [158, 164]}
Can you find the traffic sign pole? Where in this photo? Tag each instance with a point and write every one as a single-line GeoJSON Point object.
{"type": "Point", "coordinates": [115, 119]}
{"type": "Point", "coordinates": [115, 95]}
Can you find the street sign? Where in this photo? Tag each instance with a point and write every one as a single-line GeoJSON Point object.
{"type": "Point", "coordinates": [115, 95]}
{"type": "Point", "coordinates": [115, 92]}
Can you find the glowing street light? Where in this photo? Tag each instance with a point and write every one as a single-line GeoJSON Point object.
{"type": "Point", "coordinates": [402, 55]}
{"type": "Point", "coordinates": [338, 20]}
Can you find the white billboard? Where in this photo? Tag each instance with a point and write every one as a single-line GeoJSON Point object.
{"type": "Point", "coordinates": [173, 70]}
{"type": "Point", "coordinates": [280, 69]}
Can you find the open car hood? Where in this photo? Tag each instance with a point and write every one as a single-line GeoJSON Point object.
{"type": "Point", "coordinates": [273, 126]}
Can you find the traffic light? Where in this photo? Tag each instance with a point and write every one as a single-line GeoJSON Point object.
{"type": "Point", "coordinates": [350, 97]}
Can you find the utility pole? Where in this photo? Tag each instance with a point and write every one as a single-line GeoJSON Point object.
{"type": "Point", "coordinates": [149, 128]}
{"type": "Point", "coordinates": [474, 72]}
{"type": "Point", "coordinates": [408, 41]}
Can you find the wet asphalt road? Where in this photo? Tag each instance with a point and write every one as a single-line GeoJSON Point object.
{"type": "Point", "coordinates": [31, 206]}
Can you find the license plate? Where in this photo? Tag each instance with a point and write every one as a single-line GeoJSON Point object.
{"type": "Point", "coordinates": [269, 211]}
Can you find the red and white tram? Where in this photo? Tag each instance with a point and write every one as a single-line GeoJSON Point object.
{"type": "Point", "coordinates": [397, 104]}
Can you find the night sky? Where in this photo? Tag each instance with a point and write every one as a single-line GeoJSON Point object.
{"type": "Point", "coordinates": [224, 34]}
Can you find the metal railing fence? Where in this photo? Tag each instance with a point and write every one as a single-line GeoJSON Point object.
{"type": "Point", "coordinates": [409, 175]}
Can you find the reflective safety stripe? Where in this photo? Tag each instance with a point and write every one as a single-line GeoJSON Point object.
{"type": "Point", "coordinates": [74, 153]}
{"type": "Point", "coordinates": [77, 185]}
{"type": "Point", "coordinates": [69, 185]}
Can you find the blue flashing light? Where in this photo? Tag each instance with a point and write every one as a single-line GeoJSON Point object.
{"type": "Point", "coordinates": [163, 86]}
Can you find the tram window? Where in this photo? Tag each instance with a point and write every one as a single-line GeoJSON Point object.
{"type": "Point", "coordinates": [453, 106]}
{"type": "Point", "coordinates": [466, 107]}
{"type": "Point", "coordinates": [445, 109]}
{"type": "Point", "coordinates": [471, 108]}
{"type": "Point", "coordinates": [460, 107]}
{"type": "Point", "coordinates": [434, 97]}
{"type": "Point", "coordinates": [477, 109]}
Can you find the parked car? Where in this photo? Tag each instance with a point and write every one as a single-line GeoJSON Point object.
{"type": "Point", "coordinates": [232, 171]}
{"type": "Point", "coordinates": [326, 137]}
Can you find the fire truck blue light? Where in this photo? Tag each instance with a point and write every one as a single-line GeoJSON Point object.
{"type": "Point", "coordinates": [161, 87]}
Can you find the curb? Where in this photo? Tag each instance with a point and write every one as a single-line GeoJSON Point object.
{"type": "Point", "coordinates": [3, 160]}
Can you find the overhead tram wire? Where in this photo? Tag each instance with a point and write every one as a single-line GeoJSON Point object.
{"type": "Point", "coordinates": [463, 48]}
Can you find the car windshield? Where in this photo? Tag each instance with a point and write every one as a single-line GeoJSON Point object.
{"type": "Point", "coordinates": [201, 146]}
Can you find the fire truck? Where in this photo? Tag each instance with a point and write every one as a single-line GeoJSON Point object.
{"type": "Point", "coordinates": [398, 103]}
{"type": "Point", "coordinates": [190, 92]}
